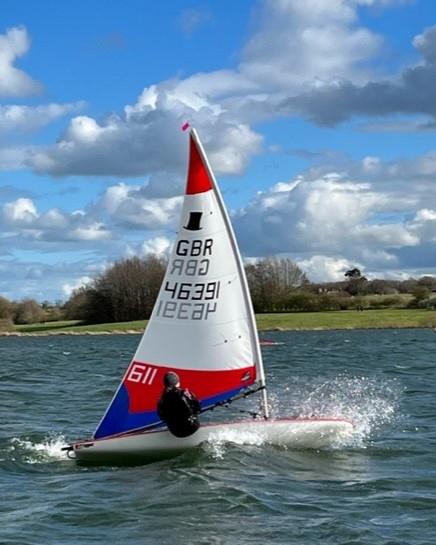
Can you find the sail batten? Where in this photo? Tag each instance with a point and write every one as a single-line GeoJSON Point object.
{"type": "Point", "coordinates": [202, 325]}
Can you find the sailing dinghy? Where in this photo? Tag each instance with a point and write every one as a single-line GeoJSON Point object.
{"type": "Point", "coordinates": [203, 328]}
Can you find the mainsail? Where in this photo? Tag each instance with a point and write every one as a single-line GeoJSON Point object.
{"type": "Point", "coordinates": [202, 325]}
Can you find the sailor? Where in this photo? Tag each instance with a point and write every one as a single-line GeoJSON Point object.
{"type": "Point", "coordinates": [178, 407]}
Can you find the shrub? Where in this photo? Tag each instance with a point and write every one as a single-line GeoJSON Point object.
{"type": "Point", "coordinates": [28, 311]}
{"type": "Point", "coordinates": [386, 302]}
{"type": "Point", "coordinates": [429, 304]}
{"type": "Point", "coordinates": [6, 324]}
{"type": "Point", "coordinates": [302, 302]}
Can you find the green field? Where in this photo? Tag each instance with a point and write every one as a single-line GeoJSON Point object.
{"type": "Point", "coordinates": [75, 326]}
{"type": "Point", "coordinates": [346, 319]}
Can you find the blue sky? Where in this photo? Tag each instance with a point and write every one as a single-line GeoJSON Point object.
{"type": "Point", "coordinates": [318, 117]}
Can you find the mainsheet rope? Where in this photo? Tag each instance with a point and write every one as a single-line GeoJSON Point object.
{"type": "Point", "coordinates": [227, 402]}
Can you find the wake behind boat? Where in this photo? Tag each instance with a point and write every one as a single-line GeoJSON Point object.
{"type": "Point", "coordinates": [203, 328]}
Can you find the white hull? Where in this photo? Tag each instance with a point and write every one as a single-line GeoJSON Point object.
{"type": "Point", "coordinates": [296, 433]}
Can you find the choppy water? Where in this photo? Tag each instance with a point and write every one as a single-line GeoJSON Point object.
{"type": "Point", "coordinates": [378, 489]}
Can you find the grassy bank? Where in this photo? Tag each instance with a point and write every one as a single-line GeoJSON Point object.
{"type": "Point", "coordinates": [347, 319]}
{"type": "Point", "coordinates": [74, 326]}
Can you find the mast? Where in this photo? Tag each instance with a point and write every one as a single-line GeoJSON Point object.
{"type": "Point", "coordinates": [241, 270]}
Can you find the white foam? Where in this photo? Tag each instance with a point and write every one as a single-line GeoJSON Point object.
{"type": "Point", "coordinates": [292, 434]}
{"type": "Point", "coordinates": [49, 449]}
{"type": "Point", "coordinates": [217, 443]}
{"type": "Point", "coordinates": [370, 403]}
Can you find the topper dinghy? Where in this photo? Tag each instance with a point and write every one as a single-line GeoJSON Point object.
{"type": "Point", "coordinates": [203, 328]}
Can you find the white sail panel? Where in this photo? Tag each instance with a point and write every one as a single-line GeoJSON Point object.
{"type": "Point", "coordinates": [201, 308]}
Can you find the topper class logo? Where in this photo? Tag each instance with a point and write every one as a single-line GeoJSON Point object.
{"type": "Point", "coordinates": [194, 221]}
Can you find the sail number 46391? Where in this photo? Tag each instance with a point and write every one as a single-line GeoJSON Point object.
{"type": "Point", "coordinates": [189, 301]}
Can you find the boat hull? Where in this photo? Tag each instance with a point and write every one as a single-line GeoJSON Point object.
{"type": "Point", "coordinates": [295, 433]}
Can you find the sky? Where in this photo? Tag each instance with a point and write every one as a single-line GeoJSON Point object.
{"type": "Point", "coordinates": [318, 118]}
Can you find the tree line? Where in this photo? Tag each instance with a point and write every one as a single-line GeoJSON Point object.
{"type": "Point", "coordinates": [124, 292]}
{"type": "Point", "coordinates": [128, 289]}
{"type": "Point", "coordinates": [28, 311]}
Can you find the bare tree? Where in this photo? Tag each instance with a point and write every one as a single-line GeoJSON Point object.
{"type": "Point", "coordinates": [126, 291]}
{"type": "Point", "coordinates": [132, 286]}
{"type": "Point", "coordinates": [77, 305]}
{"type": "Point", "coordinates": [428, 282]}
{"type": "Point", "coordinates": [28, 311]}
{"type": "Point", "coordinates": [271, 279]}
{"type": "Point", "coordinates": [6, 309]}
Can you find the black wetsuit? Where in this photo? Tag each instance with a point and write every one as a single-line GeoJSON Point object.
{"type": "Point", "coordinates": [179, 409]}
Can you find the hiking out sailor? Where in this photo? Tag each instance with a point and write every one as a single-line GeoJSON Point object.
{"type": "Point", "coordinates": [178, 407]}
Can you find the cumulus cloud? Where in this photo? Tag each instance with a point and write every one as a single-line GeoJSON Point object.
{"type": "Point", "coordinates": [147, 139]}
{"type": "Point", "coordinates": [69, 287]}
{"type": "Point", "coordinates": [13, 158]}
{"type": "Point", "coordinates": [14, 43]}
{"type": "Point", "coordinates": [158, 246]}
{"type": "Point", "coordinates": [21, 218]}
{"type": "Point", "coordinates": [298, 52]}
{"type": "Point", "coordinates": [22, 211]}
{"type": "Point", "coordinates": [14, 82]}
{"type": "Point", "coordinates": [321, 268]}
{"type": "Point", "coordinates": [131, 206]}
{"type": "Point", "coordinates": [307, 214]}
{"type": "Point", "coordinates": [45, 280]}
{"type": "Point", "coordinates": [310, 58]}
{"type": "Point", "coordinates": [302, 43]}
{"type": "Point", "coordinates": [410, 180]}
{"type": "Point", "coordinates": [425, 43]}
{"type": "Point", "coordinates": [423, 225]}
{"type": "Point", "coordinates": [410, 93]}
{"type": "Point", "coordinates": [296, 46]}
{"type": "Point", "coordinates": [122, 208]}
{"type": "Point", "coordinates": [377, 215]}
{"type": "Point", "coordinates": [327, 222]}
{"type": "Point", "coordinates": [28, 118]}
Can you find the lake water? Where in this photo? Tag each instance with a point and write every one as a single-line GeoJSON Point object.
{"type": "Point", "coordinates": [378, 489]}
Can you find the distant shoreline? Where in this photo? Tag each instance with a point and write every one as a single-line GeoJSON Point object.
{"type": "Point", "coordinates": [301, 321]}
{"type": "Point", "coordinates": [304, 321]}
{"type": "Point", "coordinates": [109, 333]}
{"type": "Point", "coordinates": [65, 333]}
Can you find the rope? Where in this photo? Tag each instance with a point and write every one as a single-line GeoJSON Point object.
{"type": "Point", "coordinates": [227, 402]}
